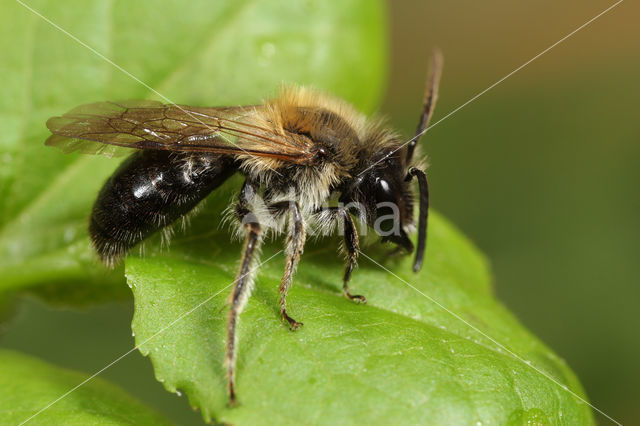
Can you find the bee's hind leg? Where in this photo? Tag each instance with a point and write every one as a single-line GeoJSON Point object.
{"type": "Point", "coordinates": [244, 280]}
{"type": "Point", "coordinates": [294, 248]}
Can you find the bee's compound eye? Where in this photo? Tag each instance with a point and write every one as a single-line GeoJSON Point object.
{"type": "Point", "coordinates": [384, 189]}
{"type": "Point", "coordinates": [387, 211]}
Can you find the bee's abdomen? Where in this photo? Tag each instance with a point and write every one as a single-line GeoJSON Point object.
{"type": "Point", "coordinates": [150, 190]}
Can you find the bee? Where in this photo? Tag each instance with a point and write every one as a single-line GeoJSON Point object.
{"type": "Point", "coordinates": [295, 151]}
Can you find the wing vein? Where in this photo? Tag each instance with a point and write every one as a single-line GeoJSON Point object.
{"type": "Point", "coordinates": [131, 125]}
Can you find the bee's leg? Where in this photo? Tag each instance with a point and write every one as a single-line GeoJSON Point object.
{"type": "Point", "coordinates": [294, 248]}
{"type": "Point", "coordinates": [351, 248]}
{"type": "Point", "coordinates": [244, 281]}
{"type": "Point", "coordinates": [423, 216]}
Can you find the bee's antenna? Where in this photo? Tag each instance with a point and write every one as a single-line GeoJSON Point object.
{"type": "Point", "coordinates": [429, 102]}
{"type": "Point", "coordinates": [423, 215]}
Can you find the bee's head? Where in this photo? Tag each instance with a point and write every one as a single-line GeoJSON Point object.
{"type": "Point", "coordinates": [383, 196]}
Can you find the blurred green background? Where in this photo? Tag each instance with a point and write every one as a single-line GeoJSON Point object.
{"type": "Point", "coordinates": [541, 172]}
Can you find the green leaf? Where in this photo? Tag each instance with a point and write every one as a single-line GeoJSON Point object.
{"type": "Point", "coordinates": [197, 52]}
{"type": "Point", "coordinates": [28, 385]}
{"type": "Point", "coordinates": [400, 358]}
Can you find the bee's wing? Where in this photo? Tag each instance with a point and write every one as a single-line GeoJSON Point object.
{"type": "Point", "coordinates": [116, 128]}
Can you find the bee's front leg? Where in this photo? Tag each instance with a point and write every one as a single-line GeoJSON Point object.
{"type": "Point", "coordinates": [294, 248]}
{"type": "Point", "coordinates": [352, 248]}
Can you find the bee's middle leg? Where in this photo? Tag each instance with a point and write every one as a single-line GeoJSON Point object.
{"type": "Point", "coordinates": [294, 248]}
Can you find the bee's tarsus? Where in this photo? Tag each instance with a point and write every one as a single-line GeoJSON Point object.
{"type": "Point", "coordinates": [233, 402]}
{"type": "Point", "coordinates": [355, 297]}
{"type": "Point", "coordinates": [293, 324]}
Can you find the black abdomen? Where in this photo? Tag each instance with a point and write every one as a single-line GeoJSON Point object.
{"type": "Point", "coordinates": [150, 190]}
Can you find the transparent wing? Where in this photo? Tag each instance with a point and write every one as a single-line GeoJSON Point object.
{"type": "Point", "coordinates": [116, 128]}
